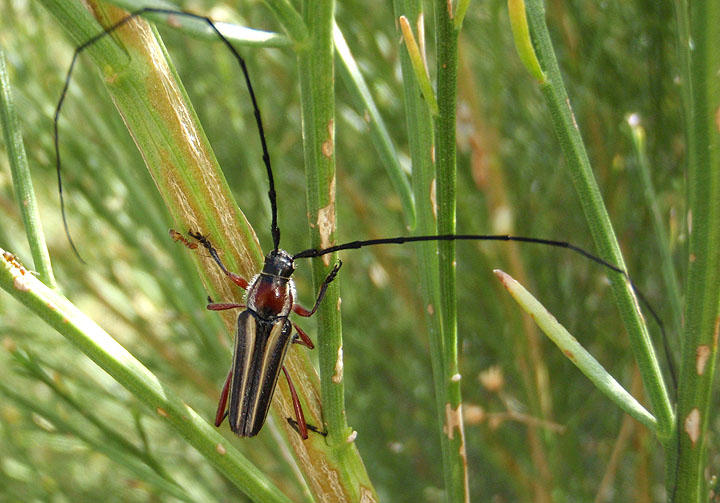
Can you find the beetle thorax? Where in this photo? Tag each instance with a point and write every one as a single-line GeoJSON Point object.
{"type": "Point", "coordinates": [271, 296]}
{"type": "Point", "coordinates": [272, 292]}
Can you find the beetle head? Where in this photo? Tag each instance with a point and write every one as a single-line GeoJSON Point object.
{"type": "Point", "coordinates": [279, 263]}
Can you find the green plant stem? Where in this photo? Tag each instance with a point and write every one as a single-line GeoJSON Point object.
{"type": "Point", "coordinates": [316, 71]}
{"type": "Point", "coordinates": [290, 19]}
{"type": "Point", "coordinates": [421, 139]}
{"type": "Point", "coordinates": [683, 50]}
{"type": "Point", "coordinates": [580, 172]}
{"type": "Point", "coordinates": [22, 182]}
{"type": "Point", "coordinates": [318, 109]}
{"type": "Point", "coordinates": [101, 348]}
{"type": "Point", "coordinates": [456, 476]}
{"type": "Point", "coordinates": [702, 300]}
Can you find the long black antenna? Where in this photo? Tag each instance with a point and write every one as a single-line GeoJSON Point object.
{"type": "Point", "coordinates": [354, 245]}
{"type": "Point", "coordinates": [274, 229]}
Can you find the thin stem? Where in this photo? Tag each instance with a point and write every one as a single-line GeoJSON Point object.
{"type": "Point", "coordinates": [290, 19]}
{"type": "Point", "coordinates": [22, 182]}
{"type": "Point", "coordinates": [456, 476]}
{"type": "Point", "coordinates": [316, 71]}
{"type": "Point", "coordinates": [702, 300]}
{"type": "Point", "coordinates": [421, 140]}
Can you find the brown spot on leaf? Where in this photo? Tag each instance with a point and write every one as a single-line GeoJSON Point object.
{"type": "Point", "coordinates": [326, 221]}
{"type": "Point", "coordinates": [327, 148]}
{"type": "Point", "coordinates": [453, 420]}
{"type": "Point", "coordinates": [692, 425]}
{"type": "Point", "coordinates": [20, 282]}
{"type": "Point", "coordinates": [366, 495]}
{"type": "Point", "coordinates": [329, 143]}
{"type": "Point", "coordinates": [502, 276]}
{"type": "Point", "coordinates": [339, 367]}
{"type": "Point", "coordinates": [702, 353]}
{"type": "Point", "coordinates": [162, 412]}
{"type": "Point", "coordinates": [111, 78]}
{"type": "Point", "coordinates": [433, 198]}
{"type": "Point", "coordinates": [12, 260]}
{"type": "Point", "coordinates": [220, 448]}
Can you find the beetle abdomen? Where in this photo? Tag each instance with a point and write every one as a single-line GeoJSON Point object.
{"type": "Point", "coordinates": [260, 348]}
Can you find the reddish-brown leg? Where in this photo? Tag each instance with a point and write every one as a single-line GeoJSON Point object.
{"type": "Point", "coordinates": [299, 415]}
{"type": "Point", "coordinates": [303, 338]}
{"type": "Point", "coordinates": [238, 280]}
{"type": "Point", "coordinates": [301, 311]}
{"type": "Point", "coordinates": [222, 404]}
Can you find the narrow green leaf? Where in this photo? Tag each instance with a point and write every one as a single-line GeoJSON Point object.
{"type": "Point", "coordinates": [418, 63]}
{"type": "Point", "coordinates": [523, 42]}
{"type": "Point", "coordinates": [574, 351]}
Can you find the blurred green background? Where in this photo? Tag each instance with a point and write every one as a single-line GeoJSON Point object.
{"type": "Point", "coordinates": [568, 439]}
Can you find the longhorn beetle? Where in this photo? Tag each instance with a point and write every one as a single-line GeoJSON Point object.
{"type": "Point", "coordinates": [264, 330]}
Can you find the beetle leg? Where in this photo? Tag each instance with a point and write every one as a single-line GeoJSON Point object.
{"type": "Point", "coordinates": [176, 236]}
{"type": "Point", "coordinates": [309, 427]}
{"type": "Point", "coordinates": [298, 309]}
{"type": "Point", "coordinates": [302, 337]}
{"type": "Point", "coordinates": [235, 278]}
{"type": "Point", "coordinates": [222, 403]}
{"type": "Point", "coordinates": [302, 426]}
